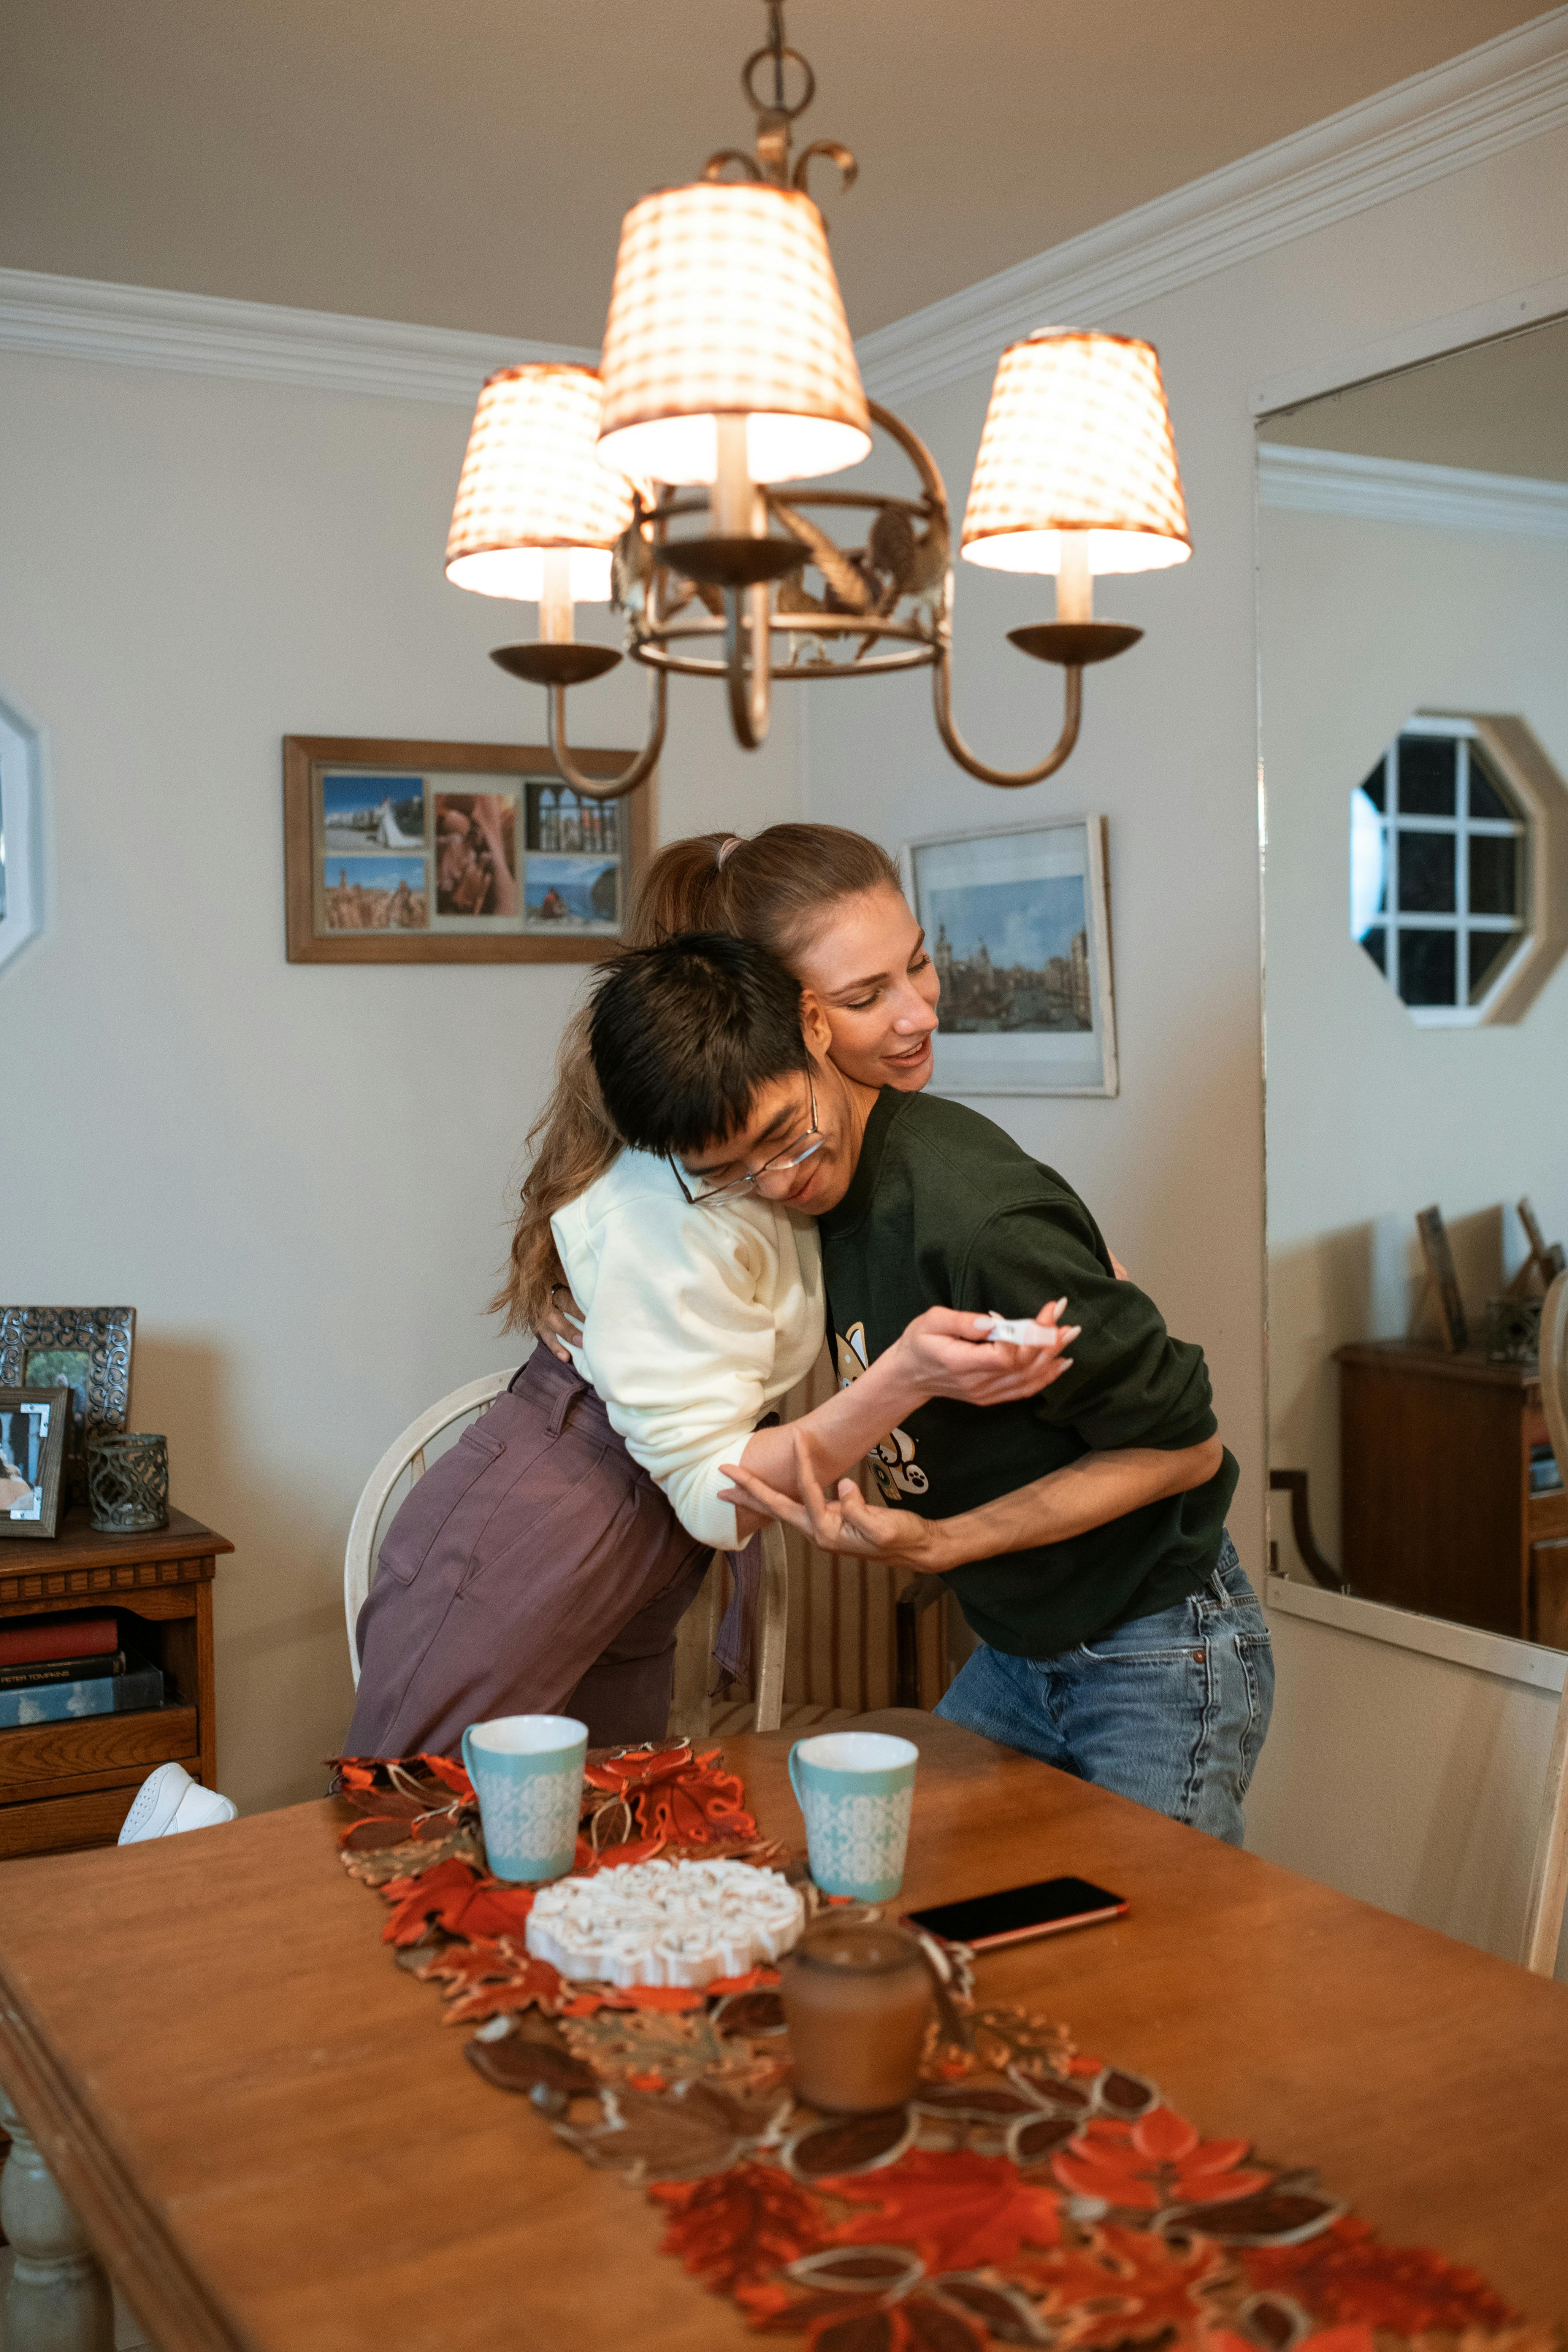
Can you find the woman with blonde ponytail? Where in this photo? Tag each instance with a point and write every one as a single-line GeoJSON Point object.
{"type": "Point", "coordinates": [542, 1564]}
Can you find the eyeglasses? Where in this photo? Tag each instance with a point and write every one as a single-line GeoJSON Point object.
{"type": "Point", "coordinates": [789, 1157]}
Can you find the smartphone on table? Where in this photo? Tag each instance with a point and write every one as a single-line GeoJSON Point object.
{"type": "Point", "coordinates": [1048, 1907]}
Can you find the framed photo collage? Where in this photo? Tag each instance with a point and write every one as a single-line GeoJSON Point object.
{"type": "Point", "coordinates": [453, 853]}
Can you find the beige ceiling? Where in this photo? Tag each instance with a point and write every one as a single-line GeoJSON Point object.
{"type": "Point", "coordinates": [1501, 408]}
{"type": "Point", "coordinates": [466, 163]}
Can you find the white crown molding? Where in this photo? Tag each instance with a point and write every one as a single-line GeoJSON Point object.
{"type": "Point", "coordinates": [202, 334]}
{"type": "Point", "coordinates": [1427, 339]}
{"type": "Point", "coordinates": [1396, 489]}
{"type": "Point", "coordinates": [1493, 97]}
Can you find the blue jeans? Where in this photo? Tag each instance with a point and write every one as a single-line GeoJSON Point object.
{"type": "Point", "coordinates": [1169, 1710]}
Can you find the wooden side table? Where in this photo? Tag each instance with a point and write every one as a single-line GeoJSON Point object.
{"type": "Point", "coordinates": [70, 1784]}
{"type": "Point", "coordinates": [1436, 1509]}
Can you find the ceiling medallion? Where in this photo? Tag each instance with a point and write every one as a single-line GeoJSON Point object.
{"type": "Point", "coordinates": [663, 481]}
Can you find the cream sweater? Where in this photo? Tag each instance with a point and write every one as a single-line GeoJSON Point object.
{"type": "Point", "coordinates": [696, 1321]}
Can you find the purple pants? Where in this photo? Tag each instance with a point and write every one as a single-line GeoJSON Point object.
{"type": "Point", "coordinates": [534, 1569]}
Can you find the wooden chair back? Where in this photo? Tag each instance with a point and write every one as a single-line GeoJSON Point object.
{"type": "Point", "coordinates": [1549, 1878]}
{"type": "Point", "coordinates": [690, 1711]}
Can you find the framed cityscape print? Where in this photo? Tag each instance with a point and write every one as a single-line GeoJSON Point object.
{"type": "Point", "coordinates": [453, 853]}
{"type": "Point", "coordinates": [1018, 924]}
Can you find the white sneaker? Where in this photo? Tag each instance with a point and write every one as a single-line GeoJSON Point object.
{"type": "Point", "coordinates": [169, 1800]}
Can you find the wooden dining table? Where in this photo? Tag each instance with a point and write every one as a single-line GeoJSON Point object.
{"type": "Point", "coordinates": [270, 2137]}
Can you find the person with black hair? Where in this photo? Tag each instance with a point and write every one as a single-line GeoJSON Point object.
{"type": "Point", "coordinates": [542, 1564]}
{"type": "Point", "coordinates": [1081, 1528]}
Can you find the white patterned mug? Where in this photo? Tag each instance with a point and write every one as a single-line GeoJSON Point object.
{"type": "Point", "coordinates": [855, 1789]}
{"type": "Point", "coordinates": [526, 1771]}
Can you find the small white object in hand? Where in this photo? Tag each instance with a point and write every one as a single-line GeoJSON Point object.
{"type": "Point", "coordinates": [665, 1923]}
{"type": "Point", "coordinates": [1020, 1332]}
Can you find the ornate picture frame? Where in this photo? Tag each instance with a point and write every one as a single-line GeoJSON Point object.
{"type": "Point", "coordinates": [86, 1350]}
{"type": "Point", "coordinates": [34, 1422]}
{"type": "Point", "coordinates": [407, 852]}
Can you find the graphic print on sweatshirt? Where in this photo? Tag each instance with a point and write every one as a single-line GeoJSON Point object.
{"type": "Point", "coordinates": [892, 1459]}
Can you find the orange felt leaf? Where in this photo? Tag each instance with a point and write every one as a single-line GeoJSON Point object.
{"type": "Point", "coordinates": [753, 1981]}
{"type": "Point", "coordinates": [618, 1857]}
{"type": "Point", "coordinates": [1082, 2177]}
{"type": "Point", "coordinates": [671, 1997]}
{"type": "Point", "coordinates": [528, 1983]}
{"type": "Point", "coordinates": [1128, 2286]}
{"type": "Point", "coordinates": [1345, 2275]}
{"type": "Point", "coordinates": [416, 1900]}
{"type": "Point", "coordinates": [957, 2210]}
{"type": "Point", "coordinates": [1164, 2136]}
{"type": "Point", "coordinates": [620, 1772]}
{"type": "Point", "coordinates": [452, 1775]}
{"type": "Point", "coordinates": [460, 1902]}
{"type": "Point", "coordinates": [1213, 2156]}
{"type": "Point", "coordinates": [1216, 2188]}
{"type": "Point", "coordinates": [734, 2229]}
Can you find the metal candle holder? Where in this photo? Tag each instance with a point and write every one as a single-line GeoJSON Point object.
{"type": "Point", "coordinates": [128, 1482]}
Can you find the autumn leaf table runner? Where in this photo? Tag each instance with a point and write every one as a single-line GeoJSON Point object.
{"type": "Point", "coordinates": [1029, 2194]}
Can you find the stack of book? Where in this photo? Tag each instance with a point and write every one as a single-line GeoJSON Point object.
{"type": "Point", "coordinates": [52, 1669]}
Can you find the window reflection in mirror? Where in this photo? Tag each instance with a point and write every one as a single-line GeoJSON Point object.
{"type": "Point", "coordinates": [1414, 644]}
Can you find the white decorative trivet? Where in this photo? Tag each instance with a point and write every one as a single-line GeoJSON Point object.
{"type": "Point", "coordinates": [665, 1923]}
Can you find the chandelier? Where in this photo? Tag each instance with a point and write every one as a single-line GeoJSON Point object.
{"type": "Point", "coordinates": [663, 480]}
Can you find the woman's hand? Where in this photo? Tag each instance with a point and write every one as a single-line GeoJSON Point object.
{"type": "Point", "coordinates": [563, 1323]}
{"type": "Point", "coordinates": [844, 1522]}
{"type": "Point", "coordinates": [943, 1353]}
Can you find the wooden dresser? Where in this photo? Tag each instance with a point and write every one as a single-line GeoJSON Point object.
{"type": "Point", "coordinates": [1436, 1504]}
{"type": "Point", "coordinates": [70, 1784]}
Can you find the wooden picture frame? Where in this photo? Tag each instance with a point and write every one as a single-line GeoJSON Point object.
{"type": "Point", "coordinates": [1441, 1278]}
{"type": "Point", "coordinates": [33, 1427]}
{"type": "Point", "coordinates": [1037, 1016]}
{"type": "Point", "coordinates": [453, 853]}
{"type": "Point", "coordinates": [86, 1350]}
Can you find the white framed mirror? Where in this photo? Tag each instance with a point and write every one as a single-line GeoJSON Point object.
{"type": "Point", "coordinates": [21, 834]}
{"type": "Point", "coordinates": [1413, 633]}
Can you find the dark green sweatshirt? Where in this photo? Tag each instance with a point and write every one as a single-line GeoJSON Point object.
{"type": "Point", "coordinates": [946, 1211]}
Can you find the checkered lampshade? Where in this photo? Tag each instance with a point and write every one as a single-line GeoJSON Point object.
{"type": "Point", "coordinates": [533, 479]}
{"type": "Point", "coordinates": [1078, 437]}
{"type": "Point", "coordinates": [725, 302]}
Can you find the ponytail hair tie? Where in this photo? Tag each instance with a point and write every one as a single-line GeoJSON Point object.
{"type": "Point", "coordinates": [726, 849]}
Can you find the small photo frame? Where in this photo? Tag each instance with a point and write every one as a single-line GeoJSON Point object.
{"type": "Point", "coordinates": [453, 853]}
{"type": "Point", "coordinates": [33, 1427]}
{"type": "Point", "coordinates": [1018, 924]}
{"type": "Point", "coordinates": [83, 1350]}
{"type": "Point", "coordinates": [1442, 1281]}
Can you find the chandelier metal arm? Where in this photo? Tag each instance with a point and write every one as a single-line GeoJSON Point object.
{"type": "Point", "coordinates": [942, 695]}
{"type": "Point", "coordinates": [642, 763]}
{"type": "Point", "coordinates": [749, 664]}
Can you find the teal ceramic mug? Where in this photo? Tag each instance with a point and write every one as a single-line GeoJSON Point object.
{"type": "Point", "coordinates": [526, 1771]}
{"type": "Point", "coordinates": [855, 1789]}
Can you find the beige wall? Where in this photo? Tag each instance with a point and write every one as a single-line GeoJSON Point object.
{"type": "Point", "coordinates": [1410, 1782]}
{"type": "Point", "coordinates": [298, 1174]}
{"type": "Point", "coordinates": [1371, 1117]}
{"type": "Point", "coordinates": [308, 1214]}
